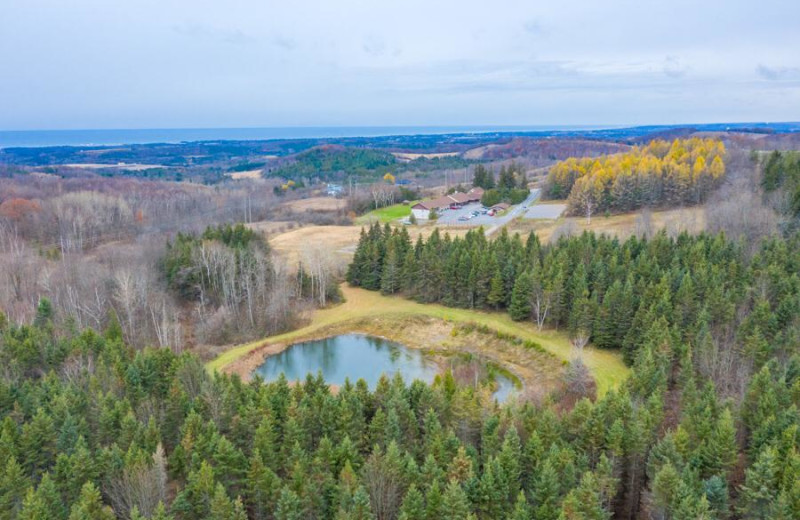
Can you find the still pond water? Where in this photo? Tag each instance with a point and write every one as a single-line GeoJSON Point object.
{"type": "Point", "coordinates": [356, 356]}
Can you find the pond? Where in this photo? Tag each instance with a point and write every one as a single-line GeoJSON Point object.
{"type": "Point", "coordinates": [356, 356]}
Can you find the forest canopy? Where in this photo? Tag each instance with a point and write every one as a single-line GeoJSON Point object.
{"type": "Point", "coordinates": [658, 174]}
{"type": "Point", "coordinates": [706, 426]}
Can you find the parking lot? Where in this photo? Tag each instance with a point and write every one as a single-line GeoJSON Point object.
{"type": "Point", "coordinates": [545, 211]}
{"type": "Point", "coordinates": [450, 217]}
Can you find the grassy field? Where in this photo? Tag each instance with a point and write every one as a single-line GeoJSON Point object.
{"type": "Point", "coordinates": [622, 226]}
{"type": "Point", "coordinates": [606, 366]}
{"type": "Point", "coordinates": [387, 214]}
{"type": "Point", "coordinates": [340, 241]}
{"type": "Point", "coordinates": [316, 204]}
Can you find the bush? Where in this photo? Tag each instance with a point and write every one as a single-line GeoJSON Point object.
{"type": "Point", "coordinates": [491, 197]}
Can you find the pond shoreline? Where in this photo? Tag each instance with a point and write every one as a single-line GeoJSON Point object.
{"type": "Point", "coordinates": [436, 350]}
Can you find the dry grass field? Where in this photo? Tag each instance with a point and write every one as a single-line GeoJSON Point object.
{"type": "Point", "coordinates": [316, 204]}
{"type": "Point", "coordinates": [404, 156]}
{"type": "Point", "coordinates": [673, 220]}
{"type": "Point", "coordinates": [339, 240]}
{"type": "Point", "coordinates": [249, 174]}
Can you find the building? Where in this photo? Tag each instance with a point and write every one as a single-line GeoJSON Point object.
{"type": "Point", "coordinates": [334, 190]}
{"type": "Point", "coordinates": [422, 210]}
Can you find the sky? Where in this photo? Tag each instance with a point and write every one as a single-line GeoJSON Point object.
{"type": "Point", "coordinates": [84, 64]}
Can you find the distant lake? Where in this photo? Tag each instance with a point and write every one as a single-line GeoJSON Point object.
{"type": "Point", "coordinates": [36, 138]}
{"type": "Point", "coordinates": [356, 356]}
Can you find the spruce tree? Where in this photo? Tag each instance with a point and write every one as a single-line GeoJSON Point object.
{"type": "Point", "coordinates": [520, 308]}
{"type": "Point", "coordinates": [455, 505]}
{"type": "Point", "coordinates": [413, 507]}
{"type": "Point", "coordinates": [89, 505]}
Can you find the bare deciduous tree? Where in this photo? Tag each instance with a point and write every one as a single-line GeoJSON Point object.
{"type": "Point", "coordinates": [141, 486]}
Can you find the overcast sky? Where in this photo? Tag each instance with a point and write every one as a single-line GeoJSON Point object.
{"type": "Point", "coordinates": [240, 63]}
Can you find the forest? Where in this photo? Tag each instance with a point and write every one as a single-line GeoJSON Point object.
{"type": "Point", "coordinates": [108, 410]}
{"type": "Point", "coordinates": [705, 428]}
{"type": "Point", "coordinates": [659, 174]}
{"type": "Point", "coordinates": [90, 244]}
{"type": "Point", "coordinates": [700, 320]}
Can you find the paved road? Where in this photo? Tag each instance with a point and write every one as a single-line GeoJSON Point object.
{"type": "Point", "coordinates": [514, 212]}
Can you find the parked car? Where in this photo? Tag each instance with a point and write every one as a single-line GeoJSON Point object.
{"type": "Point", "coordinates": [462, 218]}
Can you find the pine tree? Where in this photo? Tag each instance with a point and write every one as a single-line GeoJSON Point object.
{"type": "Point", "coordinates": [413, 507]}
{"type": "Point", "coordinates": [522, 511]}
{"type": "Point", "coordinates": [759, 493]}
{"type": "Point", "coordinates": [584, 502]}
{"type": "Point", "coordinates": [289, 506]}
{"type": "Point", "coordinates": [455, 505]}
{"type": "Point", "coordinates": [496, 296]}
{"type": "Point", "coordinates": [13, 488]}
{"type": "Point", "coordinates": [194, 501]}
{"type": "Point", "coordinates": [434, 502]}
{"type": "Point", "coordinates": [520, 308]}
{"type": "Point", "coordinates": [89, 505]}
{"type": "Point", "coordinates": [546, 491]}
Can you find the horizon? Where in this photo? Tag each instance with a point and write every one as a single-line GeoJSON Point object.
{"type": "Point", "coordinates": [148, 136]}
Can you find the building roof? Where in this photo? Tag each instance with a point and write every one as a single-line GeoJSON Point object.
{"type": "Point", "coordinates": [472, 195]}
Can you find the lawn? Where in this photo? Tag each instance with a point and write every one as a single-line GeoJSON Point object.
{"type": "Point", "coordinates": [606, 366]}
{"type": "Point", "coordinates": [387, 214]}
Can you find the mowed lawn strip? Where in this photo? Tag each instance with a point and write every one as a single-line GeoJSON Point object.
{"type": "Point", "coordinates": [387, 214]}
{"type": "Point", "coordinates": [606, 366]}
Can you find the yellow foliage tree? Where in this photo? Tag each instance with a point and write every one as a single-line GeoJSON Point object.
{"type": "Point", "coordinates": [659, 173]}
{"type": "Point", "coordinates": [389, 178]}
{"type": "Point", "coordinates": [717, 167]}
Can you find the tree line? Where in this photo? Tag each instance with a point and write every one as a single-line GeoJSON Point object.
{"type": "Point", "coordinates": [660, 173]}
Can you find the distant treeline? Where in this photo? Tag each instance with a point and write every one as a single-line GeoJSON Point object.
{"type": "Point", "coordinates": [336, 163]}
{"type": "Point", "coordinates": [658, 174]}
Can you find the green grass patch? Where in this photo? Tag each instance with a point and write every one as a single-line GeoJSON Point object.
{"type": "Point", "coordinates": [387, 214]}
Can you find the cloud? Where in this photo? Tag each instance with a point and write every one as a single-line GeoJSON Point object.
{"type": "Point", "coordinates": [778, 73]}
{"type": "Point", "coordinates": [534, 28]}
{"type": "Point", "coordinates": [374, 45]}
{"type": "Point", "coordinates": [214, 34]}
{"type": "Point", "coordinates": [674, 68]}
{"type": "Point", "coordinates": [284, 43]}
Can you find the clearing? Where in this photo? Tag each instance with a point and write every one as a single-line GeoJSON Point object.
{"type": "Point", "coordinates": [371, 312]}
{"type": "Point", "coordinates": [545, 211]}
{"type": "Point", "coordinates": [249, 174]}
{"type": "Point", "coordinates": [387, 214]}
{"type": "Point", "coordinates": [338, 240]}
{"type": "Point", "coordinates": [407, 156]}
{"type": "Point", "coordinates": [624, 225]}
{"type": "Point", "coordinates": [316, 204]}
